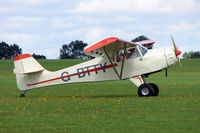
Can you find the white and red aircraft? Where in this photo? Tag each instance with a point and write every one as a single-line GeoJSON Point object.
{"type": "Point", "coordinates": [116, 59]}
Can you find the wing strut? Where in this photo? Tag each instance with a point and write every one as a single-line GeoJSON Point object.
{"type": "Point", "coordinates": [122, 66]}
{"type": "Point", "coordinates": [124, 55]}
{"type": "Point", "coordinates": [111, 62]}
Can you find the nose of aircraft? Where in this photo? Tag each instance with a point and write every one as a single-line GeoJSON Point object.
{"type": "Point", "coordinates": [171, 56]}
{"type": "Point", "coordinates": [178, 52]}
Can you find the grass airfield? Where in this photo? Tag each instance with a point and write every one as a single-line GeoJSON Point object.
{"type": "Point", "coordinates": [102, 107]}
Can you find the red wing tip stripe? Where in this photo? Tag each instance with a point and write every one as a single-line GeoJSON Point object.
{"type": "Point", "coordinates": [23, 56]}
{"type": "Point", "coordinates": [101, 44]}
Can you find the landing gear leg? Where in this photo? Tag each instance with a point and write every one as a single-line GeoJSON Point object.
{"type": "Point", "coordinates": [145, 89]}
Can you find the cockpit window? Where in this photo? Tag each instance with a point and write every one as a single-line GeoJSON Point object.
{"type": "Point", "coordinates": [142, 49]}
{"type": "Point", "coordinates": [135, 52]}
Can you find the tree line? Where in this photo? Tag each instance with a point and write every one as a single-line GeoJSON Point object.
{"type": "Point", "coordinates": [11, 51]}
{"type": "Point", "coordinates": [73, 50]}
{"type": "Point", "coordinates": [191, 54]}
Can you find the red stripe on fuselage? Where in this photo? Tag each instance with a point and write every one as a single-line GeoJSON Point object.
{"type": "Point", "coordinates": [70, 75]}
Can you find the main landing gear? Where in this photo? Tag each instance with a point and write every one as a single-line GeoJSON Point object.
{"type": "Point", "coordinates": [145, 90]}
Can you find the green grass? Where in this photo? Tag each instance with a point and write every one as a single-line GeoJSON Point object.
{"type": "Point", "coordinates": [102, 106]}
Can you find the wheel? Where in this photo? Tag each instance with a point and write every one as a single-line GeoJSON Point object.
{"type": "Point", "coordinates": [156, 89]}
{"type": "Point", "coordinates": [145, 90]}
{"type": "Point", "coordinates": [22, 95]}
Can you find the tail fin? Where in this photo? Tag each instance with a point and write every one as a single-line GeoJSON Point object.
{"type": "Point", "coordinates": [25, 68]}
{"type": "Point", "coordinates": [25, 64]}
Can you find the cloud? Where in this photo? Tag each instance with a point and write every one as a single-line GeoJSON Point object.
{"type": "Point", "coordinates": [25, 19]}
{"type": "Point", "coordinates": [27, 2]}
{"type": "Point", "coordinates": [34, 43]}
{"type": "Point", "coordinates": [198, 35]}
{"type": "Point", "coordinates": [125, 19]}
{"type": "Point", "coordinates": [94, 34]}
{"type": "Point", "coordinates": [123, 34]}
{"type": "Point", "coordinates": [70, 35]}
{"type": "Point", "coordinates": [183, 27]}
{"type": "Point", "coordinates": [99, 33]}
{"type": "Point", "coordinates": [22, 39]}
{"type": "Point", "coordinates": [74, 21]}
{"type": "Point", "coordinates": [14, 36]}
{"type": "Point", "coordinates": [61, 23]}
{"type": "Point", "coordinates": [21, 24]}
{"type": "Point", "coordinates": [135, 6]}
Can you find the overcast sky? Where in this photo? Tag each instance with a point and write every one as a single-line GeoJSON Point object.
{"type": "Point", "coordinates": [43, 26]}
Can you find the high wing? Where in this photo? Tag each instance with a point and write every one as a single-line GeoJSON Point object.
{"type": "Point", "coordinates": [112, 45]}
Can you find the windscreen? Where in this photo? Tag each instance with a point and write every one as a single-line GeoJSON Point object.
{"type": "Point", "coordinates": [142, 49]}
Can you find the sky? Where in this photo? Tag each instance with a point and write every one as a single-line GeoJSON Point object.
{"type": "Point", "coordinates": [43, 26]}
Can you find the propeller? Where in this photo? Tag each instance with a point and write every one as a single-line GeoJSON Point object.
{"type": "Point", "coordinates": [177, 53]}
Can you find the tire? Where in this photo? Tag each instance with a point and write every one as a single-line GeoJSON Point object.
{"type": "Point", "coordinates": [145, 90]}
{"type": "Point", "coordinates": [22, 95]}
{"type": "Point", "coordinates": [156, 89]}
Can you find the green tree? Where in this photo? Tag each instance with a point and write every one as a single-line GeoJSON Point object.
{"type": "Point", "coordinates": [37, 56]}
{"type": "Point", "coordinates": [195, 54]}
{"type": "Point", "coordinates": [191, 54]}
{"type": "Point", "coordinates": [73, 50]}
{"type": "Point", "coordinates": [9, 51]}
{"type": "Point", "coordinates": [142, 38]}
{"type": "Point", "coordinates": [187, 55]}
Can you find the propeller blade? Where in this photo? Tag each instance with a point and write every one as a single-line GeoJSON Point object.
{"type": "Point", "coordinates": [180, 66]}
{"type": "Point", "coordinates": [174, 43]}
{"type": "Point", "coordinates": [177, 53]}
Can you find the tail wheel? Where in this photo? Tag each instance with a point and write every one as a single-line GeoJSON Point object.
{"type": "Point", "coordinates": [22, 95]}
{"type": "Point", "coordinates": [145, 90]}
{"type": "Point", "coordinates": [156, 89]}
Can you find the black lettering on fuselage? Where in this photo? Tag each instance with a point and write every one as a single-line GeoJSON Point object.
{"type": "Point", "coordinates": [103, 67]}
{"type": "Point", "coordinates": [65, 77]}
{"type": "Point", "coordinates": [88, 70]}
{"type": "Point", "coordinates": [95, 68]}
{"type": "Point", "coordinates": [80, 72]}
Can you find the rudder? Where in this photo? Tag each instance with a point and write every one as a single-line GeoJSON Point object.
{"type": "Point", "coordinates": [25, 66]}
